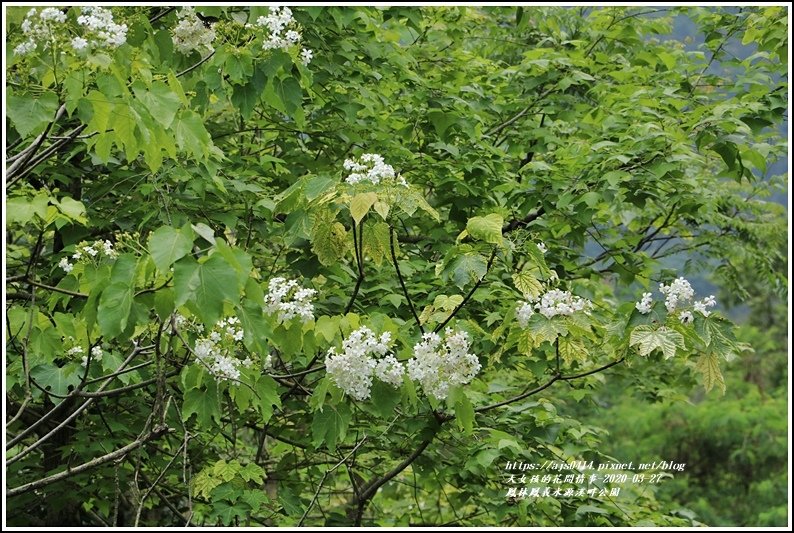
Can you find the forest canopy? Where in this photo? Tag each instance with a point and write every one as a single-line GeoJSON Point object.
{"type": "Point", "coordinates": [371, 265]}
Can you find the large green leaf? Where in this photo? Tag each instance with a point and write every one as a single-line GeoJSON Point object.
{"type": "Point", "coordinates": [709, 367]}
{"type": "Point", "coordinates": [360, 205]}
{"type": "Point", "coordinates": [467, 268]}
{"type": "Point", "coordinates": [191, 135]}
{"type": "Point", "coordinates": [330, 425]}
{"type": "Point", "coordinates": [31, 113]}
{"type": "Point", "coordinates": [168, 244]}
{"type": "Point", "coordinates": [161, 102]}
{"type": "Point", "coordinates": [487, 228]}
{"type": "Point", "coordinates": [528, 284]}
{"type": "Point", "coordinates": [649, 339]}
{"type": "Point", "coordinates": [204, 403]}
{"type": "Point", "coordinates": [114, 309]}
{"type": "Point", "coordinates": [205, 286]}
{"type": "Point", "coordinates": [59, 380]}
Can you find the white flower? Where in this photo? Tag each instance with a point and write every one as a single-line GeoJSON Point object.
{"type": "Point", "coordinates": [52, 14]}
{"type": "Point", "coordinates": [217, 351]}
{"type": "Point", "coordinates": [390, 370]}
{"type": "Point", "coordinates": [373, 169]}
{"type": "Point", "coordinates": [678, 292]}
{"type": "Point", "coordinates": [354, 368]}
{"type": "Point", "coordinates": [25, 48]}
{"type": "Point", "coordinates": [78, 43]}
{"type": "Point", "coordinates": [686, 317]}
{"type": "Point", "coordinates": [542, 247]}
{"type": "Point", "coordinates": [438, 367]}
{"type": "Point", "coordinates": [702, 305]}
{"type": "Point", "coordinates": [556, 302]}
{"type": "Point", "coordinates": [39, 27]}
{"type": "Point", "coordinates": [99, 25]}
{"type": "Point", "coordinates": [644, 306]}
{"type": "Point", "coordinates": [190, 33]}
{"type": "Point", "coordinates": [523, 313]}
{"type": "Point", "coordinates": [65, 265]}
{"type": "Point", "coordinates": [285, 297]}
{"type": "Point", "coordinates": [76, 350]}
{"type": "Point", "coordinates": [282, 31]}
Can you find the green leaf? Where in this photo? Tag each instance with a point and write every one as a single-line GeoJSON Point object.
{"type": "Point", "coordinates": [161, 102]}
{"type": "Point", "coordinates": [330, 425]}
{"type": "Point", "coordinates": [101, 116]}
{"type": "Point", "coordinates": [72, 208]}
{"type": "Point", "coordinates": [256, 328]}
{"type": "Point", "coordinates": [204, 403]}
{"type": "Point", "coordinates": [30, 114]}
{"type": "Point", "coordinates": [464, 411]}
{"type": "Point", "coordinates": [709, 367]}
{"type": "Point", "coordinates": [573, 349]}
{"type": "Point", "coordinates": [227, 513]}
{"type": "Point", "coordinates": [546, 329]}
{"type": "Point", "coordinates": [22, 209]}
{"type": "Point", "coordinates": [360, 205]}
{"type": "Point", "coordinates": [114, 309]}
{"type": "Point", "coordinates": [327, 327]}
{"type": "Point", "coordinates": [285, 95]}
{"type": "Point", "coordinates": [649, 339]}
{"type": "Point", "coordinates": [167, 245]}
{"type": "Point", "coordinates": [60, 381]}
{"type": "Point", "coordinates": [487, 228]}
{"type": "Point", "coordinates": [528, 284]}
{"type": "Point", "coordinates": [267, 390]}
{"type": "Point", "coordinates": [191, 135]}
{"type": "Point", "coordinates": [329, 238]}
{"type": "Point", "coordinates": [467, 268]}
{"type": "Point", "coordinates": [376, 242]}
{"type": "Point", "coordinates": [206, 286]}
{"type": "Point", "coordinates": [384, 399]}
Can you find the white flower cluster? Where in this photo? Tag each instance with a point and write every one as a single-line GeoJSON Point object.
{"type": "Point", "coordinates": [677, 294]}
{"type": "Point", "coordinates": [217, 351]}
{"type": "Point", "coordinates": [644, 305]}
{"type": "Point", "coordinates": [283, 32]}
{"type": "Point", "coordinates": [552, 303]}
{"type": "Point", "coordinates": [96, 355]}
{"type": "Point", "coordinates": [190, 33]}
{"type": "Point", "coordinates": [363, 357]}
{"type": "Point", "coordinates": [542, 247]}
{"type": "Point", "coordinates": [101, 30]}
{"type": "Point", "coordinates": [86, 251]}
{"type": "Point", "coordinates": [439, 366]}
{"type": "Point", "coordinates": [372, 168]}
{"type": "Point", "coordinates": [39, 27]}
{"type": "Point", "coordinates": [703, 305]}
{"type": "Point", "coordinates": [289, 300]}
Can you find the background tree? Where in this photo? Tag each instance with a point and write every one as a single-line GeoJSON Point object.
{"type": "Point", "coordinates": [340, 265]}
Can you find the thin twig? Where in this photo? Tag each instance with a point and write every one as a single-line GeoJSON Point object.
{"type": "Point", "coordinates": [402, 281]}
{"type": "Point", "coordinates": [121, 452]}
{"type": "Point", "coordinates": [325, 475]}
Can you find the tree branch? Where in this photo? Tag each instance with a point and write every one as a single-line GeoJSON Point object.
{"type": "Point", "coordinates": [554, 379]}
{"type": "Point", "coordinates": [69, 472]}
{"type": "Point", "coordinates": [402, 281]}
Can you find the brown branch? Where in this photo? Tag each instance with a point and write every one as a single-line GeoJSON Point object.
{"type": "Point", "coordinates": [402, 281]}
{"type": "Point", "coordinates": [69, 472]}
{"type": "Point", "coordinates": [554, 379]}
{"type": "Point", "coordinates": [66, 421]}
{"type": "Point", "coordinates": [325, 476]}
{"type": "Point", "coordinates": [371, 488]}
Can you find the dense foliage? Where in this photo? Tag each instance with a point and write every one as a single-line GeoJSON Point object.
{"type": "Point", "coordinates": [339, 265]}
